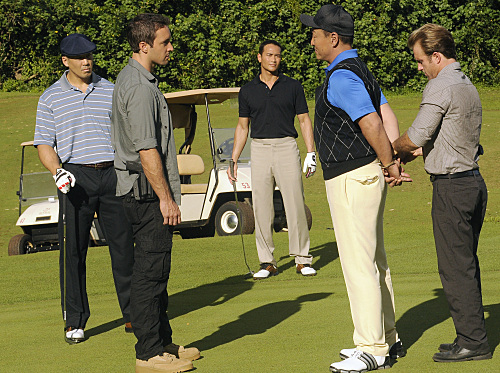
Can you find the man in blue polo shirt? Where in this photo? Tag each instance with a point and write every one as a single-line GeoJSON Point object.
{"type": "Point", "coordinates": [73, 115]}
{"type": "Point", "coordinates": [353, 129]}
{"type": "Point", "coordinates": [270, 103]}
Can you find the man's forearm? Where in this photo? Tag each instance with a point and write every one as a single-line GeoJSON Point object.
{"type": "Point", "coordinates": [307, 131]}
{"type": "Point", "coordinates": [154, 170]}
{"type": "Point", "coordinates": [390, 122]}
{"type": "Point", "coordinates": [374, 132]}
{"type": "Point", "coordinates": [240, 139]}
{"type": "Point", "coordinates": [404, 145]}
{"type": "Point", "coordinates": [49, 158]}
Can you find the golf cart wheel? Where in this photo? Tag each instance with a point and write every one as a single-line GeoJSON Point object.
{"type": "Point", "coordinates": [226, 219]}
{"type": "Point", "coordinates": [309, 219]}
{"type": "Point", "coordinates": [20, 244]}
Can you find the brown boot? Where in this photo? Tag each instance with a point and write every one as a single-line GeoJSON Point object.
{"type": "Point", "coordinates": [165, 364]}
{"type": "Point", "coordinates": [181, 352]}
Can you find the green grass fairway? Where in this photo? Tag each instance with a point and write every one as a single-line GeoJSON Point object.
{"type": "Point", "coordinates": [284, 324]}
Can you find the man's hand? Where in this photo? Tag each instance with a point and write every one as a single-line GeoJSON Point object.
{"type": "Point", "coordinates": [395, 181]}
{"type": "Point", "coordinates": [64, 180]}
{"type": "Point", "coordinates": [231, 174]}
{"type": "Point", "coordinates": [310, 164]}
{"type": "Point", "coordinates": [171, 212]}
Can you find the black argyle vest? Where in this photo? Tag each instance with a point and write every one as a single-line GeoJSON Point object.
{"type": "Point", "coordinates": [339, 141]}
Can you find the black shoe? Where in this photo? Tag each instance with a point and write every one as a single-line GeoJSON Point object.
{"type": "Point", "coordinates": [443, 347]}
{"type": "Point", "coordinates": [458, 353]}
{"type": "Point", "coordinates": [397, 350]}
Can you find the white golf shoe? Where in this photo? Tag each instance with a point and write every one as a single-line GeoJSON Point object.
{"type": "Point", "coordinates": [361, 362]}
{"type": "Point", "coordinates": [306, 270]}
{"type": "Point", "coordinates": [266, 270]}
{"type": "Point", "coordinates": [74, 335]}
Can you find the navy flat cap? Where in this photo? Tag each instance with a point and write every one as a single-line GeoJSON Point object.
{"type": "Point", "coordinates": [76, 45]}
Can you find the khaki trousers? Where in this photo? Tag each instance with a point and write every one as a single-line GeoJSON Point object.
{"type": "Point", "coordinates": [277, 162]}
{"type": "Point", "coordinates": [357, 200]}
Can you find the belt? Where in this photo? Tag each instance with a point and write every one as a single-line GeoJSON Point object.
{"type": "Point", "coordinates": [98, 166]}
{"type": "Point", "coordinates": [456, 175]}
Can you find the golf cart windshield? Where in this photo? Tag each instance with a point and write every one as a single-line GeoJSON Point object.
{"type": "Point", "coordinates": [224, 141]}
{"type": "Point", "coordinates": [182, 108]}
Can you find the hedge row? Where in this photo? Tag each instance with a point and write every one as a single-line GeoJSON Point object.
{"type": "Point", "coordinates": [215, 41]}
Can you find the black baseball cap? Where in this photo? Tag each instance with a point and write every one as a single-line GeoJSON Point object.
{"type": "Point", "coordinates": [76, 45]}
{"type": "Point", "coordinates": [331, 18]}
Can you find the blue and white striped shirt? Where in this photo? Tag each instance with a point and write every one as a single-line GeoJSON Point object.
{"type": "Point", "coordinates": [78, 124]}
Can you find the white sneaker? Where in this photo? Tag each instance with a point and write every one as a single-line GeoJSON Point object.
{"type": "Point", "coordinates": [305, 270]}
{"type": "Point", "coordinates": [361, 362]}
{"type": "Point", "coordinates": [74, 335]}
{"type": "Point", "coordinates": [266, 270]}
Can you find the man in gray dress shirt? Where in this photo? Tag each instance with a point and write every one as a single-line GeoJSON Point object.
{"type": "Point", "coordinates": [447, 128]}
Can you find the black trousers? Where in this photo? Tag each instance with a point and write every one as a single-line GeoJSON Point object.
{"type": "Point", "coordinates": [458, 209]}
{"type": "Point", "coordinates": [95, 191]}
{"type": "Point", "coordinates": [149, 297]}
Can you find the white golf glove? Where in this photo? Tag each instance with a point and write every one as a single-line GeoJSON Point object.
{"type": "Point", "coordinates": [310, 164]}
{"type": "Point", "coordinates": [64, 180]}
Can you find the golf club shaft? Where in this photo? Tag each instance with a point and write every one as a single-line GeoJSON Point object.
{"type": "Point", "coordinates": [64, 202]}
{"type": "Point", "coordinates": [238, 212]}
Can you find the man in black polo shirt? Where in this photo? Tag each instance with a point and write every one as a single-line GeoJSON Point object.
{"type": "Point", "coordinates": [270, 103]}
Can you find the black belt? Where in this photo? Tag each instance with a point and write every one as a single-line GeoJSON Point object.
{"type": "Point", "coordinates": [456, 175]}
{"type": "Point", "coordinates": [98, 166]}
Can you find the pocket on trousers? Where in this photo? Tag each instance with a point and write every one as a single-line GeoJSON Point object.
{"type": "Point", "coordinates": [155, 265]}
{"type": "Point", "coordinates": [366, 180]}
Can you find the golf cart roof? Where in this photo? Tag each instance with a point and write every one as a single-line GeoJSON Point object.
{"type": "Point", "coordinates": [197, 96]}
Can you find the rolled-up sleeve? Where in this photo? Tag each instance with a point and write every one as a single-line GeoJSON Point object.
{"type": "Point", "coordinates": [429, 117]}
{"type": "Point", "coordinates": [141, 112]}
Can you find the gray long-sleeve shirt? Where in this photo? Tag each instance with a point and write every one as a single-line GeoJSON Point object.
{"type": "Point", "coordinates": [448, 124]}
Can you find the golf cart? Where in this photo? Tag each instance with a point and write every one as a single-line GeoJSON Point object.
{"type": "Point", "coordinates": [211, 207]}
{"type": "Point", "coordinates": [39, 213]}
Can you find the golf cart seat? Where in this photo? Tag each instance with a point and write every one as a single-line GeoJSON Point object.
{"type": "Point", "coordinates": [191, 164]}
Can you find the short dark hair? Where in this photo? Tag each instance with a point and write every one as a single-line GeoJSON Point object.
{"type": "Point", "coordinates": [433, 38]}
{"type": "Point", "coordinates": [267, 42]}
{"type": "Point", "coordinates": [144, 27]}
{"type": "Point", "coordinates": [343, 38]}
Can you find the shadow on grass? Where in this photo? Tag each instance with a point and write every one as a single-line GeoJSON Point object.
{"type": "Point", "coordinates": [104, 328]}
{"type": "Point", "coordinates": [207, 295]}
{"type": "Point", "coordinates": [322, 255]}
{"type": "Point", "coordinates": [414, 322]}
{"type": "Point", "coordinates": [190, 300]}
{"type": "Point", "coordinates": [493, 325]}
{"type": "Point", "coordinates": [256, 321]}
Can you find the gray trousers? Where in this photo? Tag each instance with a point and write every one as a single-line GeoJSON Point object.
{"type": "Point", "coordinates": [277, 162]}
{"type": "Point", "coordinates": [458, 209]}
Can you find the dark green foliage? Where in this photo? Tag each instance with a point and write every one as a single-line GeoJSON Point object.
{"type": "Point", "coordinates": [215, 41]}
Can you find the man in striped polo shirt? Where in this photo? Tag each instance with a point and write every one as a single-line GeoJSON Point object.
{"type": "Point", "coordinates": [73, 138]}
